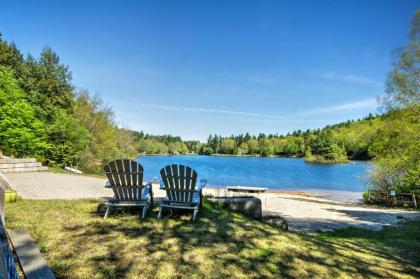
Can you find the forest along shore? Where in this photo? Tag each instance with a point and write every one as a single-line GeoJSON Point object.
{"type": "Point", "coordinates": [303, 213]}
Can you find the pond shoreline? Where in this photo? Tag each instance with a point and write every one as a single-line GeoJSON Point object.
{"type": "Point", "coordinates": [303, 212]}
{"type": "Point", "coordinates": [349, 161]}
{"type": "Point", "coordinates": [342, 196]}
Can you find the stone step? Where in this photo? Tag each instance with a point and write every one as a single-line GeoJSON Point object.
{"type": "Point", "coordinates": [17, 160]}
{"type": "Point", "coordinates": [27, 169]}
{"type": "Point", "coordinates": [20, 165]}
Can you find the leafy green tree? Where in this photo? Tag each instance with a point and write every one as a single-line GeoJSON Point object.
{"type": "Point", "coordinates": [68, 138]}
{"type": "Point", "coordinates": [207, 150]}
{"type": "Point", "coordinates": [403, 85]}
{"type": "Point", "coordinates": [227, 146]}
{"type": "Point", "coordinates": [243, 148]}
{"type": "Point", "coordinates": [126, 144]}
{"type": "Point", "coordinates": [49, 84]}
{"type": "Point", "coordinates": [396, 147]}
{"type": "Point", "coordinates": [90, 113]}
{"type": "Point", "coordinates": [266, 147]}
{"type": "Point", "coordinates": [21, 133]}
{"type": "Point", "coordinates": [253, 146]}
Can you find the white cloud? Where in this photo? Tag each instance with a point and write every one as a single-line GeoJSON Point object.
{"type": "Point", "coordinates": [367, 104]}
{"type": "Point", "coordinates": [351, 78]}
{"type": "Point", "coordinates": [263, 80]}
{"type": "Point", "coordinates": [298, 116]}
{"type": "Point", "coordinates": [191, 109]}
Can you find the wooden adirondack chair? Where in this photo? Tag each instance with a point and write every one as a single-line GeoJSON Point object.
{"type": "Point", "coordinates": [125, 178]}
{"type": "Point", "coordinates": [179, 183]}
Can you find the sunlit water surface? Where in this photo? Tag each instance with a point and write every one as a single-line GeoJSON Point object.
{"type": "Point", "coordinates": [340, 181]}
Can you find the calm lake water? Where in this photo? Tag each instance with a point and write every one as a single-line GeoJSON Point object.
{"type": "Point", "coordinates": [274, 173]}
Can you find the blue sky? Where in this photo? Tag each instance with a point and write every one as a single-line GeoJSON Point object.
{"type": "Point", "coordinates": [191, 68]}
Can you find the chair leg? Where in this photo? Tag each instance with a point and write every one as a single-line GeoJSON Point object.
{"type": "Point", "coordinates": [143, 215]}
{"type": "Point", "coordinates": [194, 214]}
{"type": "Point", "coordinates": [107, 212]}
{"type": "Point", "coordinates": [160, 212]}
{"type": "Point", "coordinates": [201, 199]}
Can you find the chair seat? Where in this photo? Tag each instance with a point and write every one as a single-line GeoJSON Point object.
{"type": "Point", "coordinates": [145, 194]}
{"type": "Point", "coordinates": [195, 200]}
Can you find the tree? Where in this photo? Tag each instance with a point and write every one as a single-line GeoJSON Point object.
{"type": "Point", "coordinates": [68, 138]}
{"type": "Point", "coordinates": [126, 144]}
{"type": "Point", "coordinates": [253, 146]}
{"type": "Point", "coordinates": [243, 148]}
{"type": "Point", "coordinates": [207, 150]}
{"type": "Point", "coordinates": [90, 113]}
{"type": "Point", "coordinates": [403, 85]}
{"type": "Point", "coordinates": [21, 133]}
{"type": "Point", "coordinates": [396, 147]}
{"type": "Point", "coordinates": [227, 146]}
{"type": "Point", "coordinates": [266, 147]}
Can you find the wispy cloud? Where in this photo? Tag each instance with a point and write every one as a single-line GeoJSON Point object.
{"type": "Point", "coordinates": [207, 110]}
{"type": "Point", "coordinates": [367, 104]}
{"type": "Point", "coordinates": [351, 78]}
{"type": "Point", "coordinates": [298, 116]}
{"type": "Point", "coordinates": [263, 80]}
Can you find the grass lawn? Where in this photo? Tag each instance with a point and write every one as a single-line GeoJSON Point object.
{"type": "Point", "coordinates": [78, 243]}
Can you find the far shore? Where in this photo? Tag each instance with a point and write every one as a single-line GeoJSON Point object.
{"type": "Point", "coordinates": [320, 162]}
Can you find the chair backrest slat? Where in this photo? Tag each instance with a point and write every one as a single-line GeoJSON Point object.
{"type": "Point", "coordinates": [176, 181]}
{"type": "Point", "coordinates": [126, 178]}
{"type": "Point", "coordinates": [120, 170]}
{"type": "Point", "coordinates": [114, 173]}
{"type": "Point", "coordinates": [188, 174]}
{"type": "Point", "coordinates": [134, 170]}
{"type": "Point", "coordinates": [182, 182]}
{"type": "Point", "coordinates": [170, 180]}
{"type": "Point", "coordinates": [179, 181]}
{"type": "Point", "coordinates": [193, 181]}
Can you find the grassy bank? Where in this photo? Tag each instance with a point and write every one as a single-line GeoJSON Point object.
{"type": "Point", "coordinates": [316, 159]}
{"type": "Point", "coordinates": [78, 243]}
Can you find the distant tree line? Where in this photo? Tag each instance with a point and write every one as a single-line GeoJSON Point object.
{"type": "Point", "coordinates": [334, 143]}
{"type": "Point", "coordinates": [159, 144]}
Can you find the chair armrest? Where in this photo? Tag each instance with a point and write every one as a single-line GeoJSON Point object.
{"type": "Point", "coordinates": [107, 184]}
{"type": "Point", "coordinates": [150, 182]}
{"type": "Point", "coordinates": [161, 184]}
{"type": "Point", "coordinates": [203, 183]}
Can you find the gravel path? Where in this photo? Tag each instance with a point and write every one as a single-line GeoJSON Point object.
{"type": "Point", "coordinates": [303, 213]}
{"type": "Point", "coordinates": [50, 185]}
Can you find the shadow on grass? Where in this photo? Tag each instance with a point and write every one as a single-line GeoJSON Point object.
{"type": "Point", "coordinates": [400, 243]}
{"type": "Point", "coordinates": [222, 244]}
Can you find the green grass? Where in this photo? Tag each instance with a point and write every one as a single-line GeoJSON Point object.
{"type": "Point", "coordinates": [78, 243]}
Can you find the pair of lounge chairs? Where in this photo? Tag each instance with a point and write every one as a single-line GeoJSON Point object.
{"type": "Point", "coordinates": [125, 178]}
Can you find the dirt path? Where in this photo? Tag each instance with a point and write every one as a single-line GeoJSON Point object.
{"type": "Point", "coordinates": [50, 185]}
{"type": "Point", "coordinates": [303, 213]}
